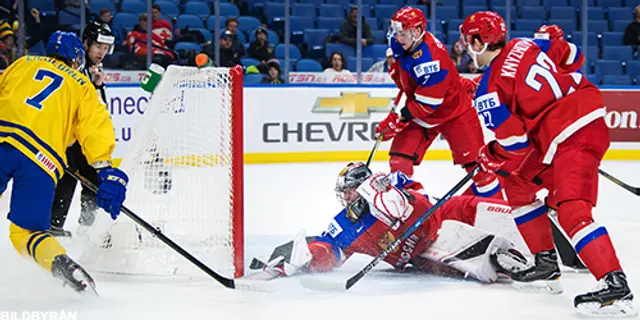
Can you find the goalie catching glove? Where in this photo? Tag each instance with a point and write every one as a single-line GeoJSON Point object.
{"type": "Point", "coordinates": [112, 190]}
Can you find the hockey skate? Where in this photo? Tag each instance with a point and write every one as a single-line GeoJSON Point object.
{"type": "Point", "coordinates": [612, 298]}
{"type": "Point", "coordinates": [60, 232]}
{"type": "Point", "coordinates": [88, 211]}
{"type": "Point", "coordinates": [72, 274]}
{"type": "Point", "coordinates": [543, 276]}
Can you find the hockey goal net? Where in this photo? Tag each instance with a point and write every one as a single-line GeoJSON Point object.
{"type": "Point", "coordinates": [185, 172]}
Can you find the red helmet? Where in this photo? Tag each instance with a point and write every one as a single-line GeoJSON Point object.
{"type": "Point", "coordinates": [408, 18]}
{"type": "Point", "coordinates": [487, 24]}
{"type": "Point", "coordinates": [552, 32]}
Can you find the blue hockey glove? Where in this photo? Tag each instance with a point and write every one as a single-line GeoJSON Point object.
{"type": "Point", "coordinates": [111, 193]}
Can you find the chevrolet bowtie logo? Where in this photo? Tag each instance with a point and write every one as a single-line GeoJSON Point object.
{"type": "Point", "coordinates": [352, 105]}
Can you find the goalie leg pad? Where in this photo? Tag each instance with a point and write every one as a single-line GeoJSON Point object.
{"type": "Point", "coordinates": [286, 259]}
{"type": "Point", "coordinates": [468, 250]}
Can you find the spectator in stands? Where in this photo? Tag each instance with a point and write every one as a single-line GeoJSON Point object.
{"type": "Point", "coordinates": [229, 57]}
{"type": "Point", "coordinates": [460, 57]}
{"type": "Point", "coordinates": [338, 65]}
{"type": "Point", "coordinates": [471, 67]}
{"type": "Point", "coordinates": [160, 26]}
{"type": "Point", "coordinates": [7, 44]}
{"type": "Point", "coordinates": [231, 25]}
{"type": "Point", "coordinates": [261, 50]}
{"type": "Point", "coordinates": [632, 33]}
{"type": "Point", "coordinates": [273, 75]}
{"type": "Point", "coordinates": [137, 43]}
{"type": "Point", "coordinates": [348, 34]}
{"type": "Point", "coordinates": [105, 16]}
{"type": "Point", "coordinates": [383, 66]}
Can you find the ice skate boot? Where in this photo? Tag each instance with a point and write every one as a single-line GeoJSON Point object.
{"type": "Point", "coordinates": [611, 298]}
{"type": "Point", "coordinates": [72, 274]}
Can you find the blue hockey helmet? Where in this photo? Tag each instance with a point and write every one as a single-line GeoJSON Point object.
{"type": "Point", "coordinates": [66, 45]}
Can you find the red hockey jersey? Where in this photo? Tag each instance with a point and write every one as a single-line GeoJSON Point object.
{"type": "Point", "coordinates": [529, 101]}
{"type": "Point", "coordinates": [431, 83]}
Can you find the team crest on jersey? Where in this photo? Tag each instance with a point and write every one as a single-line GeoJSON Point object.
{"type": "Point", "coordinates": [427, 68]}
{"type": "Point", "coordinates": [386, 239]}
{"type": "Point", "coordinates": [487, 102]}
{"type": "Point", "coordinates": [334, 228]}
{"type": "Point", "coordinates": [417, 54]}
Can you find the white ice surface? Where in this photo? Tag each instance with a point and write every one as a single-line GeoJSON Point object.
{"type": "Point", "coordinates": [281, 199]}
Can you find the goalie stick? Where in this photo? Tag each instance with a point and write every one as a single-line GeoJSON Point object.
{"type": "Point", "coordinates": [632, 189]}
{"type": "Point", "coordinates": [316, 284]}
{"type": "Point", "coordinates": [227, 282]}
{"type": "Point", "coordinates": [566, 251]}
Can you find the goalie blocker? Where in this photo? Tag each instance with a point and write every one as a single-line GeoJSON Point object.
{"type": "Point", "coordinates": [378, 208]}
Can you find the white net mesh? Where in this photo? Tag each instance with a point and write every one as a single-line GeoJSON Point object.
{"type": "Point", "coordinates": [181, 179]}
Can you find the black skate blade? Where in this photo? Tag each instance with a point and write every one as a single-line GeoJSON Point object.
{"type": "Point", "coordinates": [257, 264]}
{"type": "Point", "coordinates": [540, 286]}
{"type": "Point", "coordinates": [616, 309]}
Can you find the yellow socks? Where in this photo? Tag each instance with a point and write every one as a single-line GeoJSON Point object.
{"type": "Point", "coordinates": [40, 245]}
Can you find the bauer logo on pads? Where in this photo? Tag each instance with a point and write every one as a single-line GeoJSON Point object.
{"type": "Point", "coordinates": [352, 105]}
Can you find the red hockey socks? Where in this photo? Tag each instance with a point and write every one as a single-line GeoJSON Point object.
{"type": "Point", "coordinates": [534, 226]}
{"type": "Point", "coordinates": [402, 164]}
{"type": "Point", "coordinates": [590, 240]}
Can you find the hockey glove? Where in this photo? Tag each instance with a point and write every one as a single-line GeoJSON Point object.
{"type": "Point", "coordinates": [487, 159]}
{"type": "Point", "coordinates": [394, 73]}
{"type": "Point", "coordinates": [469, 86]}
{"type": "Point", "coordinates": [111, 193]}
{"type": "Point", "coordinates": [390, 126]}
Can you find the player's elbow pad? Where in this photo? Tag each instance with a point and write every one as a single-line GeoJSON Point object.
{"type": "Point", "coordinates": [323, 259]}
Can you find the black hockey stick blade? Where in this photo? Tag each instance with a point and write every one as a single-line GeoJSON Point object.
{"type": "Point", "coordinates": [373, 151]}
{"type": "Point", "coordinates": [229, 283]}
{"type": "Point", "coordinates": [567, 253]}
{"type": "Point", "coordinates": [354, 279]}
{"type": "Point", "coordinates": [615, 180]}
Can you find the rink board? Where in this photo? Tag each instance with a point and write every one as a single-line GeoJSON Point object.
{"type": "Point", "coordinates": [321, 123]}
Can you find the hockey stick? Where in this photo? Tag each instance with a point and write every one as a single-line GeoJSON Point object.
{"type": "Point", "coordinates": [632, 189]}
{"type": "Point", "coordinates": [567, 252]}
{"type": "Point", "coordinates": [229, 283]}
{"type": "Point", "coordinates": [319, 285]}
{"type": "Point", "coordinates": [379, 139]}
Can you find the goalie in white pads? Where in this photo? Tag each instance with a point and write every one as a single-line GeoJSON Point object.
{"type": "Point", "coordinates": [378, 208]}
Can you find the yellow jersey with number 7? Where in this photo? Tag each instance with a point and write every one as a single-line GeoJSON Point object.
{"type": "Point", "coordinates": [45, 106]}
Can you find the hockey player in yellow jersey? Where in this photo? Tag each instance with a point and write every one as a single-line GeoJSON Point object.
{"type": "Point", "coordinates": [46, 104]}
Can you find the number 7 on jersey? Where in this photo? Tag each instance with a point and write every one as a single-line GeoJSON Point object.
{"type": "Point", "coordinates": [56, 81]}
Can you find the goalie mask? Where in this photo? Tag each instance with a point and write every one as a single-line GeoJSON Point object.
{"type": "Point", "coordinates": [349, 179]}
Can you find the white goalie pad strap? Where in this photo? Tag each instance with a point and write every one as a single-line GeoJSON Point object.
{"type": "Point", "coordinates": [387, 203]}
{"type": "Point", "coordinates": [466, 249]}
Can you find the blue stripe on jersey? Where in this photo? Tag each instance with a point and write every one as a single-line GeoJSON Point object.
{"type": "Point", "coordinates": [36, 138]}
{"type": "Point", "coordinates": [543, 44]}
{"type": "Point", "coordinates": [577, 56]}
{"type": "Point", "coordinates": [31, 148]}
{"type": "Point", "coordinates": [599, 231]}
{"type": "Point", "coordinates": [433, 79]}
{"type": "Point", "coordinates": [530, 215]}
